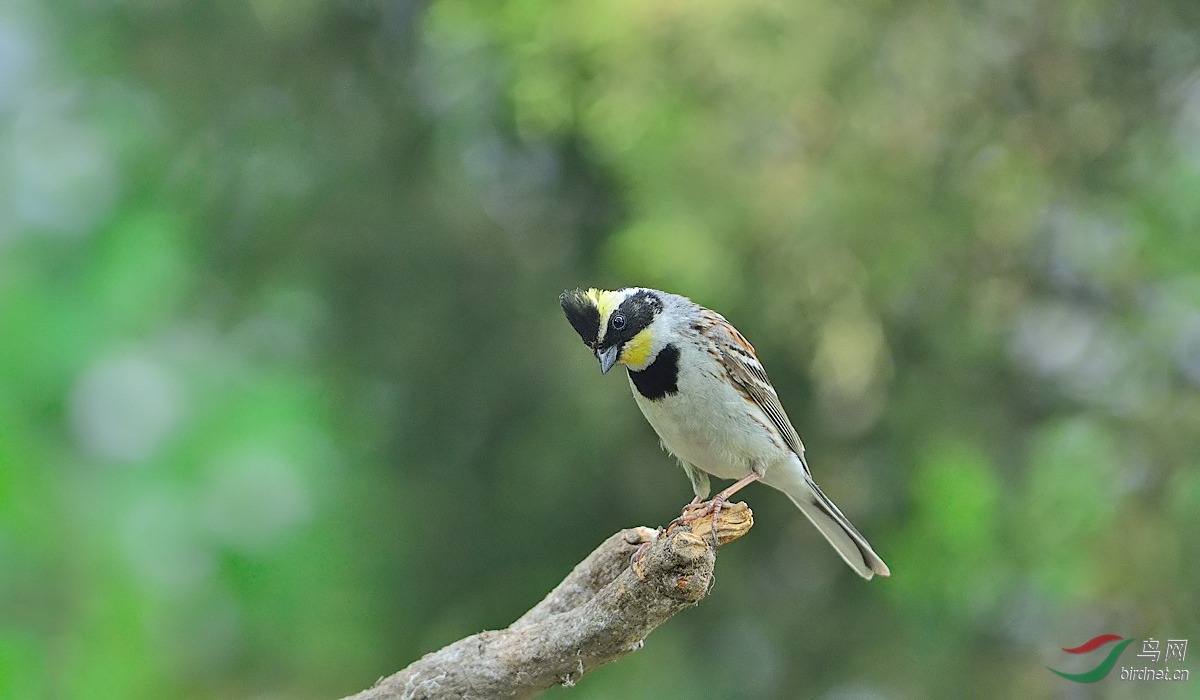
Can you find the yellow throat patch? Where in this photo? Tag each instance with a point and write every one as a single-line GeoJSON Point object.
{"type": "Point", "coordinates": [637, 350]}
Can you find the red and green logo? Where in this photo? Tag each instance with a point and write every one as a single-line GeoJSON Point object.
{"type": "Point", "coordinates": [1101, 670]}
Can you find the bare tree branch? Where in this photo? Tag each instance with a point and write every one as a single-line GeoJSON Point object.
{"type": "Point", "coordinates": [601, 611]}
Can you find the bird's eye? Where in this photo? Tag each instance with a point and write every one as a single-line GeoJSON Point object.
{"type": "Point", "coordinates": [618, 322]}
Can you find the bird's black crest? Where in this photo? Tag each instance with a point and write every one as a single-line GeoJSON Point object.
{"type": "Point", "coordinates": [582, 314]}
{"type": "Point", "coordinates": [661, 377]}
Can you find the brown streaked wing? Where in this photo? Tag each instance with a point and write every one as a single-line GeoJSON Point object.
{"type": "Point", "coordinates": [747, 372]}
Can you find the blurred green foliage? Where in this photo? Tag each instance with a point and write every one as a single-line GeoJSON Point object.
{"type": "Point", "coordinates": [286, 399]}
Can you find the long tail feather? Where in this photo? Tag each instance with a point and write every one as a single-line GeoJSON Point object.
{"type": "Point", "coordinates": [847, 540]}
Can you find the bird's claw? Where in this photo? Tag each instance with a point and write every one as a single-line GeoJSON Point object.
{"type": "Point", "coordinates": [697, 509]}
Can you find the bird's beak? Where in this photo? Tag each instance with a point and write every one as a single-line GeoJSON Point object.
{"type": "Point", "coordinates": [608, 358]}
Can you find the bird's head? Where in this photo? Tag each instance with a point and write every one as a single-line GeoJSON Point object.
{"type": "Point", "coordinates": [620, 326]}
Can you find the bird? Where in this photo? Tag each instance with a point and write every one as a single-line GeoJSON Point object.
{"type": "Point", "coordinates": [699, 383]}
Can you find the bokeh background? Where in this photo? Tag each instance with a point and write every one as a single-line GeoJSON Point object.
{"type": "Point", "coordinates": [286, 398]}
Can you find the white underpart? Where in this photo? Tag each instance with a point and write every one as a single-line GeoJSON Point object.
{"type": "Point", "coordinates": [710, 425]}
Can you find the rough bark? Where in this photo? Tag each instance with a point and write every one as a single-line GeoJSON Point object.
{"type": "Point", "coordinates": [601, 611]}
